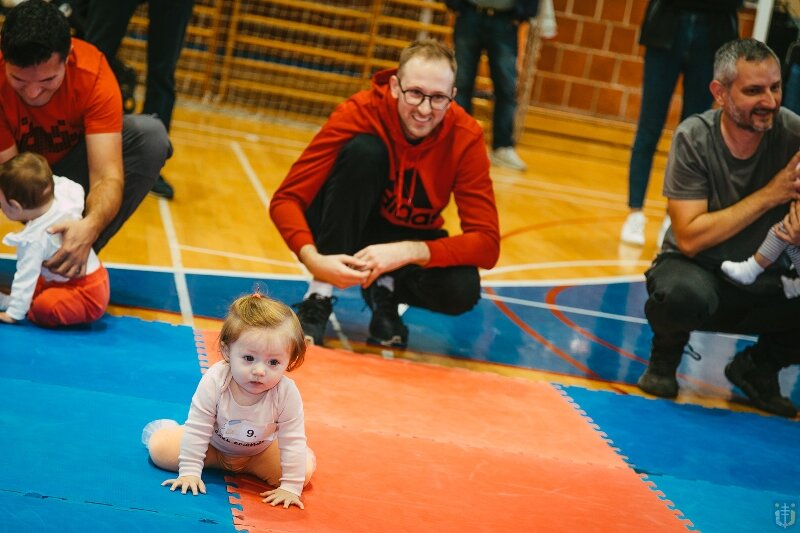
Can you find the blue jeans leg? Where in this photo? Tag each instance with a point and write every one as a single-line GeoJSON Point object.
{"type": "Point", "coordinates": [661, 70]}
{"type": "Point", "coordinates": [468, 47]}
{"type": "Point", "coordinates": [473, 33]}
{"type": "Point", "coordinates": [502, 51]}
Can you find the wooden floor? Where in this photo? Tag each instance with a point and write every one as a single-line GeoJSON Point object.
{"type": "Point", "coordinates": [559, 220]}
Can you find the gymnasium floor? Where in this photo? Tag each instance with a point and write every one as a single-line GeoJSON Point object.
{"type": "Point", "coordinates": [521, 415]}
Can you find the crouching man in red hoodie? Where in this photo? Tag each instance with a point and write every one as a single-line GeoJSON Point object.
{"type": "Point", "coordinates": [363, 203]}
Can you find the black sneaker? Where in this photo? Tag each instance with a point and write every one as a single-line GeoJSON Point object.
{"type": "Point", "coordinates": [759, 384]}
{"type": "Point", "coordinates": [163, 189]}
{"type": "Point", "coordinates": [127, 80]}
{"type": "Point", "coordinates": [313, 313]}
{"type": "Point", "coordinates": [386, 327]}
{"type": "Point", "coordinates": [659, 378]}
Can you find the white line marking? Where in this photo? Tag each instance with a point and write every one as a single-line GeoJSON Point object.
{"type": "Point", "coordinates": [175, 254]}
{"type": "Point", "coordinates": [216, 131]}
{"type": "Point", "coordinates": [256, 183]}
{"type": "Point", "coordinates": [596, 314]}
{"type": "Point", "coordinates": [567, 264]}
{"type": "Point", "coordinates": [568, 282]}
{"type": "Point", "coordinates": [231, 255]}
{"type": "Point", "coordinates": [337, 327]}
{"type": "Point", "coordinates": [564, 308]}
{"type": "Point", "coordinates": [251, 174]}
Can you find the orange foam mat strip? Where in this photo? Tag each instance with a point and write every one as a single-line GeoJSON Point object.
{"type": "Point", "coordinates": [405, 446]}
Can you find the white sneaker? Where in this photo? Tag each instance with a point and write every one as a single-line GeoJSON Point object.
{"type": "Point", "coordinates": [633, 229]}
{"type": "Point", "coordinates": [665, 224]}
{"type": "Point", "coordinates": [507, 157]}
{"type": "Point", "coordinates": [154, 426]}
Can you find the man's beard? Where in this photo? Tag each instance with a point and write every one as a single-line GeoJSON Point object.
{"type": "Point", "coordinates": [737, 117]}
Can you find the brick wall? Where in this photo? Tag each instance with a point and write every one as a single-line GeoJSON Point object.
{"type": "Point", "coordinates": [594, 65]}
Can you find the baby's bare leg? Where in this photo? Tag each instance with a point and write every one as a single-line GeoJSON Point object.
{"type": "Point", "coordinates": [165, 447]}
{"type": "Point", "coordinates": [267, 465]}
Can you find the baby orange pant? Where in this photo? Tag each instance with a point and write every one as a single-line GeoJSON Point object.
{"type": "Point", "coordinates": [76, 301]}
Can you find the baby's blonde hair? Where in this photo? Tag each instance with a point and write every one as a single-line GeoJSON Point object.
{"type": "Point", "coordinates": [259, 311]}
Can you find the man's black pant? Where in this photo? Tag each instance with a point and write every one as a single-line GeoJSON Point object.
{"type": "Point", "coordinates": [344, 219]}
{"type": "Point", "coordinates": [685, 296]}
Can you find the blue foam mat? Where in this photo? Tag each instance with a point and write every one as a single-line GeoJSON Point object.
{"type": "Point", "coordinates": [75, 404]}
{"type": "Point", "coordinates": [724, 470]}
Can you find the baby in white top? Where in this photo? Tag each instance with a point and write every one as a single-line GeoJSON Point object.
{"type": "Point", "coordinates": [246, 415]}
{"type": "Point", "coordinates": [29, 193]}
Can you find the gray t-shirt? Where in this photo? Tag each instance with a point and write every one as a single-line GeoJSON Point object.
{"type": "Point", "coordinates": [700, 167]}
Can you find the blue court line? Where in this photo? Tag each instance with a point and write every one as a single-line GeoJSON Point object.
{"type": "Point", "coordinates": [724, 470]}
{"type": "Point", "coordinates": [76, 402]}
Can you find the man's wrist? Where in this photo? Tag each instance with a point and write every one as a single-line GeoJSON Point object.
{"type": "Point", "coordinates": [94, 225]}
{"type": "Point", "coordinates": [420, 252]}
{"type": "Point", "coordinates": [307, 253]}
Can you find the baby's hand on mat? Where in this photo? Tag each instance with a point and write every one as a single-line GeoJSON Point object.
{"type": "Point", "coordinates": [192, 483]}
{"type": "Point", "coordinates": [278, 496]}
{"type": "Point", "coordinates": [4, 317]}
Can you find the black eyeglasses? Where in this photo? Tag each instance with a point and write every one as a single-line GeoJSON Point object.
{"type": "Point", "coordinates": [416, 97]}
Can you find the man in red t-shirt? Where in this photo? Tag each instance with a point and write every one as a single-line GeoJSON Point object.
{"type": "Point", "coordinates": [59, 98]}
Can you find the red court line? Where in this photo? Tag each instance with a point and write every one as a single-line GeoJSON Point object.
{"type": "Point", "coordinates": [530, 331]}
{"type": "Point", "coordinates": [551, 297]}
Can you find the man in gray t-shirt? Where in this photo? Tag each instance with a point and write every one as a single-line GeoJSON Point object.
{"type": "Point", "coordinates": [732, 174]}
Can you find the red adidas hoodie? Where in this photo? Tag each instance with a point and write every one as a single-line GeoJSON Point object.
{"type": "Point", "coordinates": [452, 159]}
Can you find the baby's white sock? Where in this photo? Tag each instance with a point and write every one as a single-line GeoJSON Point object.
{"type": "Point", "coordinates": [791, 287]}
{"type": "Point", "coordinates": [745, 272]}
{"type": "Point", "coordinates": [154, 426]}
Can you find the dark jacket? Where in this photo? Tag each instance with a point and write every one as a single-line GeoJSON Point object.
{"type": "Point", "coordinates": [523, 9]}
{"type": "Point", "coordinates": [661, 20]}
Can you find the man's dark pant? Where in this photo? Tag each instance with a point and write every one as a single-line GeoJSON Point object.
{"type": "Point", "coordinates": [107, 22]}
{"type": "Point", "coordinates": [497, 34]}
{"type": "Point", "coordinates": [691, 54]}
{"type": "Point", "coordinates": [344, 219]}
{"type": "Point", "coordinates": [145, 148]}
{"type": "Point", "coordinates": [684, 297]}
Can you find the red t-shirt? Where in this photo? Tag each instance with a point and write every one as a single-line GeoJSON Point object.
{"type": "Point", "coordinates": [88, 101]}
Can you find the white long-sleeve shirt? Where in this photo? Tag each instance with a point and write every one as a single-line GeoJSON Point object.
{"type": "Point", "coordinates": [216, 418]}
{"type": "Point", "coordinates": [34, 246]}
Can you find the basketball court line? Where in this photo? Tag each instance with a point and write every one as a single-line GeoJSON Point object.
{"type": "Point", "coordinates": [184, 301]}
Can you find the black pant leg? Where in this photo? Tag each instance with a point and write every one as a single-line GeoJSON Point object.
{"type": "Point", "coordinates": [447, 290]}
{"type": "Point", "coordinates": [166, 31]}
{"type": "Point", "coordinates": [686, 297]}
{"type": "Point", "coordinates": [341, 211]}
{"type": "Point", "coordinates": [106, 23]}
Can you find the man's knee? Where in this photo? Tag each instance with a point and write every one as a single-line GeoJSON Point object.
{"type": "Point", "coordinates": [462, 291]}
{"type": "Point", "coordinates": [365, 151]}
{"type": "Point", "coordinates": [681, 306]}
{"type": "Point", "coordinates": [145, 141]}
